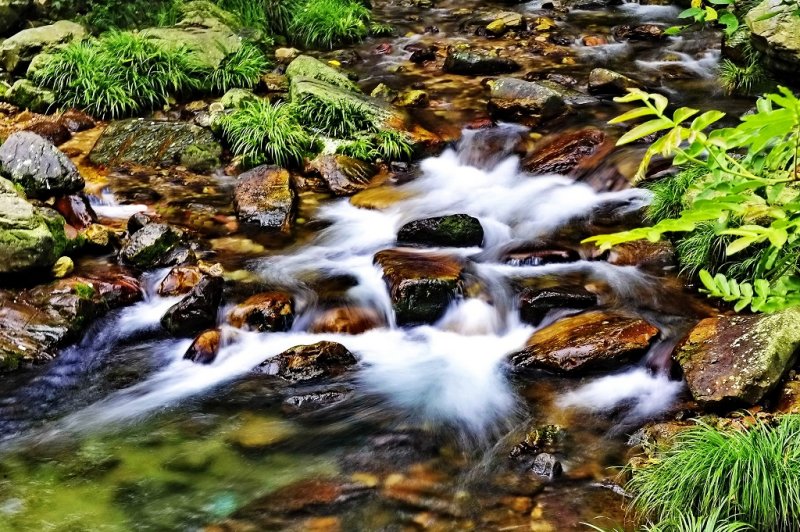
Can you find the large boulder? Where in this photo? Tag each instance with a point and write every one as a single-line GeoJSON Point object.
{"type": "Point", "coordinates": [27, 95]}
{"type": "Point", "coordinates": [306, 67]}
{"type": "Point", "coordinates": [263, 196]}
{"type": "Point", "coordinates": [30, 237]}
{"type": "Point", "coordinates": [148, 142]}
{"type": "Point", "coordinates": [474, 62]}
{"type": "Point", "coordinates": [305, 363]}
{"type": "Point", "coordinates": [729, 360]}
{"type": "Point", "coordinates": [775, 31]}
{"type": "Point", "coordinates": [454, 230]}
{"type": "Point", "coordinates": [17, 51]}
{"type": "Point", "coordinates": [38, 167]}
{"type": "Point", "coordinates": [527, 102]}
{"type": "Point", "coordinates": [198, 310]}
{"type": "Point", "coordinates": [590, 341]}
{"type": "Point", "coordinates": [421, 285]}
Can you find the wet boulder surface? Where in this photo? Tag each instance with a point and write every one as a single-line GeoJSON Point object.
{"type": "Point", "coordinates": [38, 167]}
{"type": "Point", "coordinates": [310, 362]}
{"type": "Point", "coordinates": [263, 197]}
{"type": "Point", "coordinates": [197, 310]}
{"type": "Point", "coordinates": [456, 230]}
{"type": "Point", "coordinates": [265, 312]}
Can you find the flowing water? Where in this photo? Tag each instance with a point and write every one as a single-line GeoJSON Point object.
{"type": "Point", "coordinates": [120, 433]}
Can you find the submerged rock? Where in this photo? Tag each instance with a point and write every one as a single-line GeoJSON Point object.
{"type": "Point", "coordinates": [641, 32]}
{"type": "Point", "coordinates": [343, 175]}
{"type": "Point", "coordinates": [347, 320]}
{"type": "Point", "coordinates": [455, 230]}
{"type": "Point", "coordinates": [267, 312]}
{"type": "Point", "coordinates": [196, 311]}
{"type": "Point", "coordinates": [566, 153]}
{"type": "Point", "coordinates": [535, 303]}
{"type": "Point", "coordinates": [257, 433]}
{"type": "Point", "coordinates": [148, 143]}
{"type": "Point", "coordinates": [17, 51]}
{"type": "Point", "coordinates": [421, 285]}
{"type": "Point", "coordinates": [729, 360]}
{"type": "Point", "coordinates": [205, 347]}
{"type": "Point", "coordinates": [263, 196]}
{"type": "Point", "coordinates": [589, 341]}
{"type": "Point", "coordinates": [38, 167]}
{"type": "Point", "coordinates": [775, 31]}
{"type": "Point", "coordinates": [527, 102]}
{"type": "Point", "coordinates": [153, 246]}
{"type": "Point", "coordinates": [305, 363]}
{"type": "Point", "coordinates": [30, 237]}
{"type": "Point", "coordinates": [475, 62]}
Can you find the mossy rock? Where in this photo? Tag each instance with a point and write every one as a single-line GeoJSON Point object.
{"type": "Point", "coordinates": [455, 230]}
{"type": "Point", "coordinates": [775, 32]}
{"type": "Point", "coordinates": [306, 67]}
{"type": "Point", "coordinates": [202, 157]}
{"type": "Point", "coordinates": [27, 95]}
{"type": "Point", "coordinates": [18, 50]}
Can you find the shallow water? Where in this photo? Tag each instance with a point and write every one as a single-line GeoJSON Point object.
{"type": "Point", "coordinates": [120, 433]}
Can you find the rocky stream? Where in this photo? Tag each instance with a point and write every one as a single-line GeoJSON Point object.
{"type": "Point", "coordinates": [423, 345]}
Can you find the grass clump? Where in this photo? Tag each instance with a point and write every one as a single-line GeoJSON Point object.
{"type": "Point", "coordinates": [242, 69]}
{"type": "Point", "coordinates": [326, 24]}
{"type": "Point", "coordinates": [388, 145]}
{"type": "Point", "coordinates": [336, 117]}
{"type": "Point", "coordinates": [262, 132]}
{"type": "Point", "coordinates": [669, 193]}
{"type": "Point", "coordinates": [750, 475]}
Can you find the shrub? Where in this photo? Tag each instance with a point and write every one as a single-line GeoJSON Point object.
{"type": "Point", "coordinates": [752, 475]}
{"type": "Point", "coordinates": [326, 24]}
{"type": "Point", "coordinates": [265, 133]}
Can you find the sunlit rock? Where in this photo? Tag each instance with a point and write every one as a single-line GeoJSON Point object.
{"type": "Point", "coordinates": [263, 196]}
{"type": "Point", "coordinates": [40, 168]}
{"type": "Point", "coordinates": [605, 82]}
{"type": "Point", "coordinates": [775, 29]}
{"type": "Point", "coordinates": [567, 153]}
{"type": "Point", "coordinates": [304, 363]}
{"type": "Point", "coordinates": [266, 312]}
{"type": "Point", "coordinates": [343, 175]}
{"type": "Point", "coordinates": [153, 246]}
{"type": "Point", "coordinates": [347, 320]}
{"type": "Point", "coordinates": [205, 347]}
{"type": "Point", "coordinates": [18, 50]}
{"type": "Point", "coordinates": [197, 310]}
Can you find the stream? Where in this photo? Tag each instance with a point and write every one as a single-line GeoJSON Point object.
{"type": "Point", "coordinates": [120, 433]}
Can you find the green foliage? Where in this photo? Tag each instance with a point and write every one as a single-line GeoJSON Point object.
{"type": "Point", "coordinates": [242, 69]}
{"type": "Point", "coordinates": [393, 145]}
{"type": "Point", "coordinates": [336, 117]}
{"type": "Point", "coordinates": [83, 290]}
{"type": "Point", "coordinates": [265, 133]}
{"type": "Point", "coordinates": [100, 16]}
{"type": "Point", "coordinates": [326, 24]}
{"type": "Point", "coordinates": [709, 12]}
{"type": "Point", "coordinates": [713, 522]}
{"type": "Point", "coordinates": [359, 148]}
{"type": "Point", "coordinates": [750, 195]}
{"type": "Point", "coordinates": [668, 193]}
{"type": "Point", "coordinates": [752, 475]}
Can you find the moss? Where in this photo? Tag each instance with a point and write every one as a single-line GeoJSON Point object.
{"type": "Point", "coordinates": [84, 291]}
{"type": "Point", "coordinates": [202, 157]}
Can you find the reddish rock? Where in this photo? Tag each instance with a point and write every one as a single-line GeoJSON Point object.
{"type": "Point", "coordinates": [568, 153]}
{"type": "Point", "coordinates": [180, 280]}
{"type": "Point", "coordinates": [594, 40]}
{"type": "Point", "coordinates": [76, 210]}
{"type": "Point", "coordinates": [305, 363]}
{"type": "Point", "coordinates": [51, 131]}
{"type": "Point", "coordinates": [643, 32]}
{"type": "Point", "coordinates": [347, 320]}
{"type": "Point", "coordinates": [654, 256]}
{"type": "Point", "coordinates": [205, 347]}
{"type": "Point", "coordinates": [343, 175]}
{"type": "Point", "coordinates": [270, 311]}
{"type": "Point", "coordinates": [589, 341]}
{"type": "Point", "coordinates": [76, 121]}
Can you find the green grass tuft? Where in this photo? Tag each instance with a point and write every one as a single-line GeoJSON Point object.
{"type": "Point", "coordinates": [668, 193]}
{"type": "Point", "coordinates": [242, 69]}
{"type": "Point", "coordinates": [338, 118]}
{"type": "Point", "coordinates": [265, 133]}
{"type": "Point", "coordinates": [393, 145]}
{"type": "Point", "coordinates": [362, 148]}
{"type": "Point", "coordinates": [326, 24]}
{"type": "Point", "coordinates": [750, 475]}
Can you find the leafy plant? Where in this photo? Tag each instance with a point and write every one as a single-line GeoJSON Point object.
{"type": "Point", "coordinates": [265, 133]}
{"type": "Point", "coordinates": [752, 475]}
{"type": "Point", "coordinates": [750, 194]}
{"type": "Point", "coordinates": [362, 147]}
{"type": "Point", "coordinates": [702, 12]}
{"type": "Point", "coordinates": [242, 69]}
{"type": "Point", "coordinates": [714, 522]}
{"type": "Point", "coordinates": [326, 24]}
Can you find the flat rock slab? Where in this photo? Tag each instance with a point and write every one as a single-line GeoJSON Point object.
{"type": "Point", "coordinates": [40, 168]}
{"type": "Point", "coordinates": [147, 142]}
{"type": "Point", "coordinates": [567, 153]}
{"type": "Point", "coordinates": [739, 359]}
{"type": "Point", "coordinates": [590, 341]}
{"type": "Point", "coordinates": [421, 285]}
{"type": "Point", "coordinates": [263, 196]}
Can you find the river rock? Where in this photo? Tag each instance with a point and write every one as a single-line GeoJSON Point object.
{"type": "Point", "coordinates": [137, 141]}
{"type": "Point", "coordinates": [34, 323]}
{"type": "Point", "coordinates": [540, 257]}
{"type": "Point", "coordinates": [546, 465]}
{"type": "Point", "coordinates": [75, 120]}
{"type": "Point", "coordinates": [652, 256]}
{"type": "Point", "coordinates": [421, 285]}
{"type": "Point", "coordinates": [566, 153]}
{"type": "Point", "coordinates": [474, 62]}
{"type": "Point", "coordinates": [641, 32]}
{"type": "Point", "coordinates": [267, 312]}
{"type": "Point", "coordinates": [346, 320]}
{"type": "Point", "coordinates": [99, 238]}
{"type": "Point", "coordinates": [590, 341]}
{"type": "Point", "coordinates": [38, 166]}
{"type": "Point", "coordinates": [343, 175]}
{"type": "Point", "coordinates": [257, 433]}
{"type": "Point", "coordinates": [454, 230]}
{"type": "Point", "coordinates": [53, 132]}
{"type": "Point", "coordinates": [30, 237]}
{"type": "Point", "coordinates": [27, 95]}
{"type": "Point", "coordinates": [76, 210]}
{"type": "Point", "coordinates": [303, 363]}
{"type": "Point", "coordinates": [179, 281]}
{"type": "Point", "coordinates": [205, 347]}
{"type": "Point", "coordinates": [263, 196]}
{"type": "Point", "coordinates": [196, 311]}
{"type": "Point", "coordinates": [527, 102]}
{"type": "Point", "coordinates": [17, 51]}
{"type": "Point", "coordinates": [507, 20]}
{"type": "Point", "coordinates": [775, 31]}
{"type": "Point", "coordinates": [729, 360]}
{"type": "Point", "coordinates": [605, 82]}
{"type": "Point", "coordinates": [153, 246]}
{"type": "Point", "coordinates": [535, 303]}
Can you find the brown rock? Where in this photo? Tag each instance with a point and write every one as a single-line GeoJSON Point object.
{"type": "Point", "coordinates": [76, 121]}
{"type": "Point", "coordinates": [566, 154]}
{"type": "Point", "coordinates": [594, 40]}
{"type": "Point", "coordinates": [653, 256]}
{"type": "Point", "coordinates": [76, 210]}
{"type": "Point", "coordinates": [54, 132]}
{"type": "Point", "coordinates": [301, 496]}
{"type": "Point", "coordinates": [589, 341]}
{"type": "Point", "coordinates": [205, 347]}
{"type": "Point", "coordinates": [347, 320]}
{"type": "Point", "coordinates": [180, 280]}
{"type": "Point", "coordinates": [535, 303]}
{"type": "Point", "coordinates": [305, 363]}
{"type": "Point", "coordinates": [643, 32]}
{"type": "Point", "coordinates": [343, 175]}
{"type": "Point", "coordinates": [270, 311]}
{"type": "Point", "coordinates": [263, 196]}
{"type": "Point", "coordinates": [421, 285]}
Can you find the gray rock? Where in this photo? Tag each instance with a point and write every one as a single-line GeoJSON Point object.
{"type": "Point", "coordinates": [605, 82]}
{"type": "Point", "coordinates": [454, 230]}
{"type": "Point", "coordinates": [39, 167]}
{"type": "Point", "coordinates": [207, 39]}
{"type": "Point", "coordinates": [30, 237]}
{"type": "Point", "coordinates": [149, 143]}
{"type": "Point", "coordinates": [305, 363]}
{"type": "Point", "coordinates": [198, 310]}
{"type": "Point", "coordinates": [306, 67]}
{"type": "Point", "coordinates": [18, 51]}
{"type": "Point", "coordinates": [264, 197]}
{"type": "Point", "coordinates": [546, 465]}
{"type": "Point", "coordinates": [527, 102]}
{"type": "Point", "coordinates": [152, 246]}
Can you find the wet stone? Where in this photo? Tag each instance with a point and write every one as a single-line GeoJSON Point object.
{"type": "Point", "coordinates": [180, 280]}
{"type": "Point", "coordinates": [76, 121]}
{"type": "Point", "coordinates": [196, 311]}
{"type": "Point", "coordinates": [267, 312]}
{"type": "Point", "coordinates": [313, 401]}
{"type": "Point", "coordinates": [605, 82]}
{"type": "Point", "coordinates": [39, 167]}
{"type": "Point", "coordinates": [475, 62]}
{"type": "Point", "coordinates": [152, 246]}
{"type": "Point", "coordinates": [535, 303]}
{"type": "Point", "coordinates": [567, 153]}
{"type": "Point", "coordinates": [53, 132]}
{"type": "Point", "coordinates": [76, 210]}
{"type": "Point", "coordinates": [263, 197]}
{"type": "Point", "coordinates": [258, 432]}
{"type": "Point", "coordinates": [590, 341]}
{"type": "Point", "coordinates": [455, 230]}
{"type": "Point", "coordinates": [343, 175]}
{"type": "Point", "coordinates": [541, 257]}
{"type": "Point", "coordinates": [347, 320]}
{"type": "Point", "coordinates": [205, 347]}
{"type": "Point", "coordinates": [643, 32]}
{"type": "Point", "coordinates": [526, 102]}
{"type": "Point", "coordinates": [546, 465]}
{"type": "Point", "coordinates": [303, 363]}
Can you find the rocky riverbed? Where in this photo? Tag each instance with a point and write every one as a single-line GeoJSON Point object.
{"type": "Point", "coordinates": [189, 341]}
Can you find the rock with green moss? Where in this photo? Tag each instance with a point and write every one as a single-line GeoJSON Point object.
{"type": "Point", "coordinates": [455, 230]}
{"type": "Point", "coordinates": [152, 246]}
{"type": "Point", "coordinates": [40, 168]}
{"type": "Point", "coordinates": [234, 98]}
{"type": "Point", "coordinates": [27, 95]}
{"type": "Point", "coordinates": [149, 143]}
{"type": "Point", "coordinates": [18, 51]}
{"type": "Point", "coordinates": [306, 67]}
{"type": "Point", "coordinates": [30, 237]}
{"type": "Point", "coordinates": [469, 61]}
{"type": "Point", "coordinates": [775, 28]}
{"type": "Point", "coordinates": [737, 360]}
{"type": "Point", "coordinates": [202, 158]}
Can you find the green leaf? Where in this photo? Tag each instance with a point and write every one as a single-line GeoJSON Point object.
{"type": "Point", "coordinates": [632, 114]}
{"type": "Point", "coordinates": [683, 113]}
{"type": "Point", "coordinates": [706, 119]}
{"type": "Point", "coordinates": [661, 102]}
{"type": "Point", "coordinates": [731, 23]}
{"type": "Point", "coordinates": [707, 280]}
{"type": "Point", "coordinates": [691, 12]}
{"type": "Point", "coordinates": [711, 14]}
{"type": "Point", "coordinates": [739, 244]}
{"type": "Point", "coordinates": [674, 30]}
{"type": "Point", "coordinates": [643, 130]}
